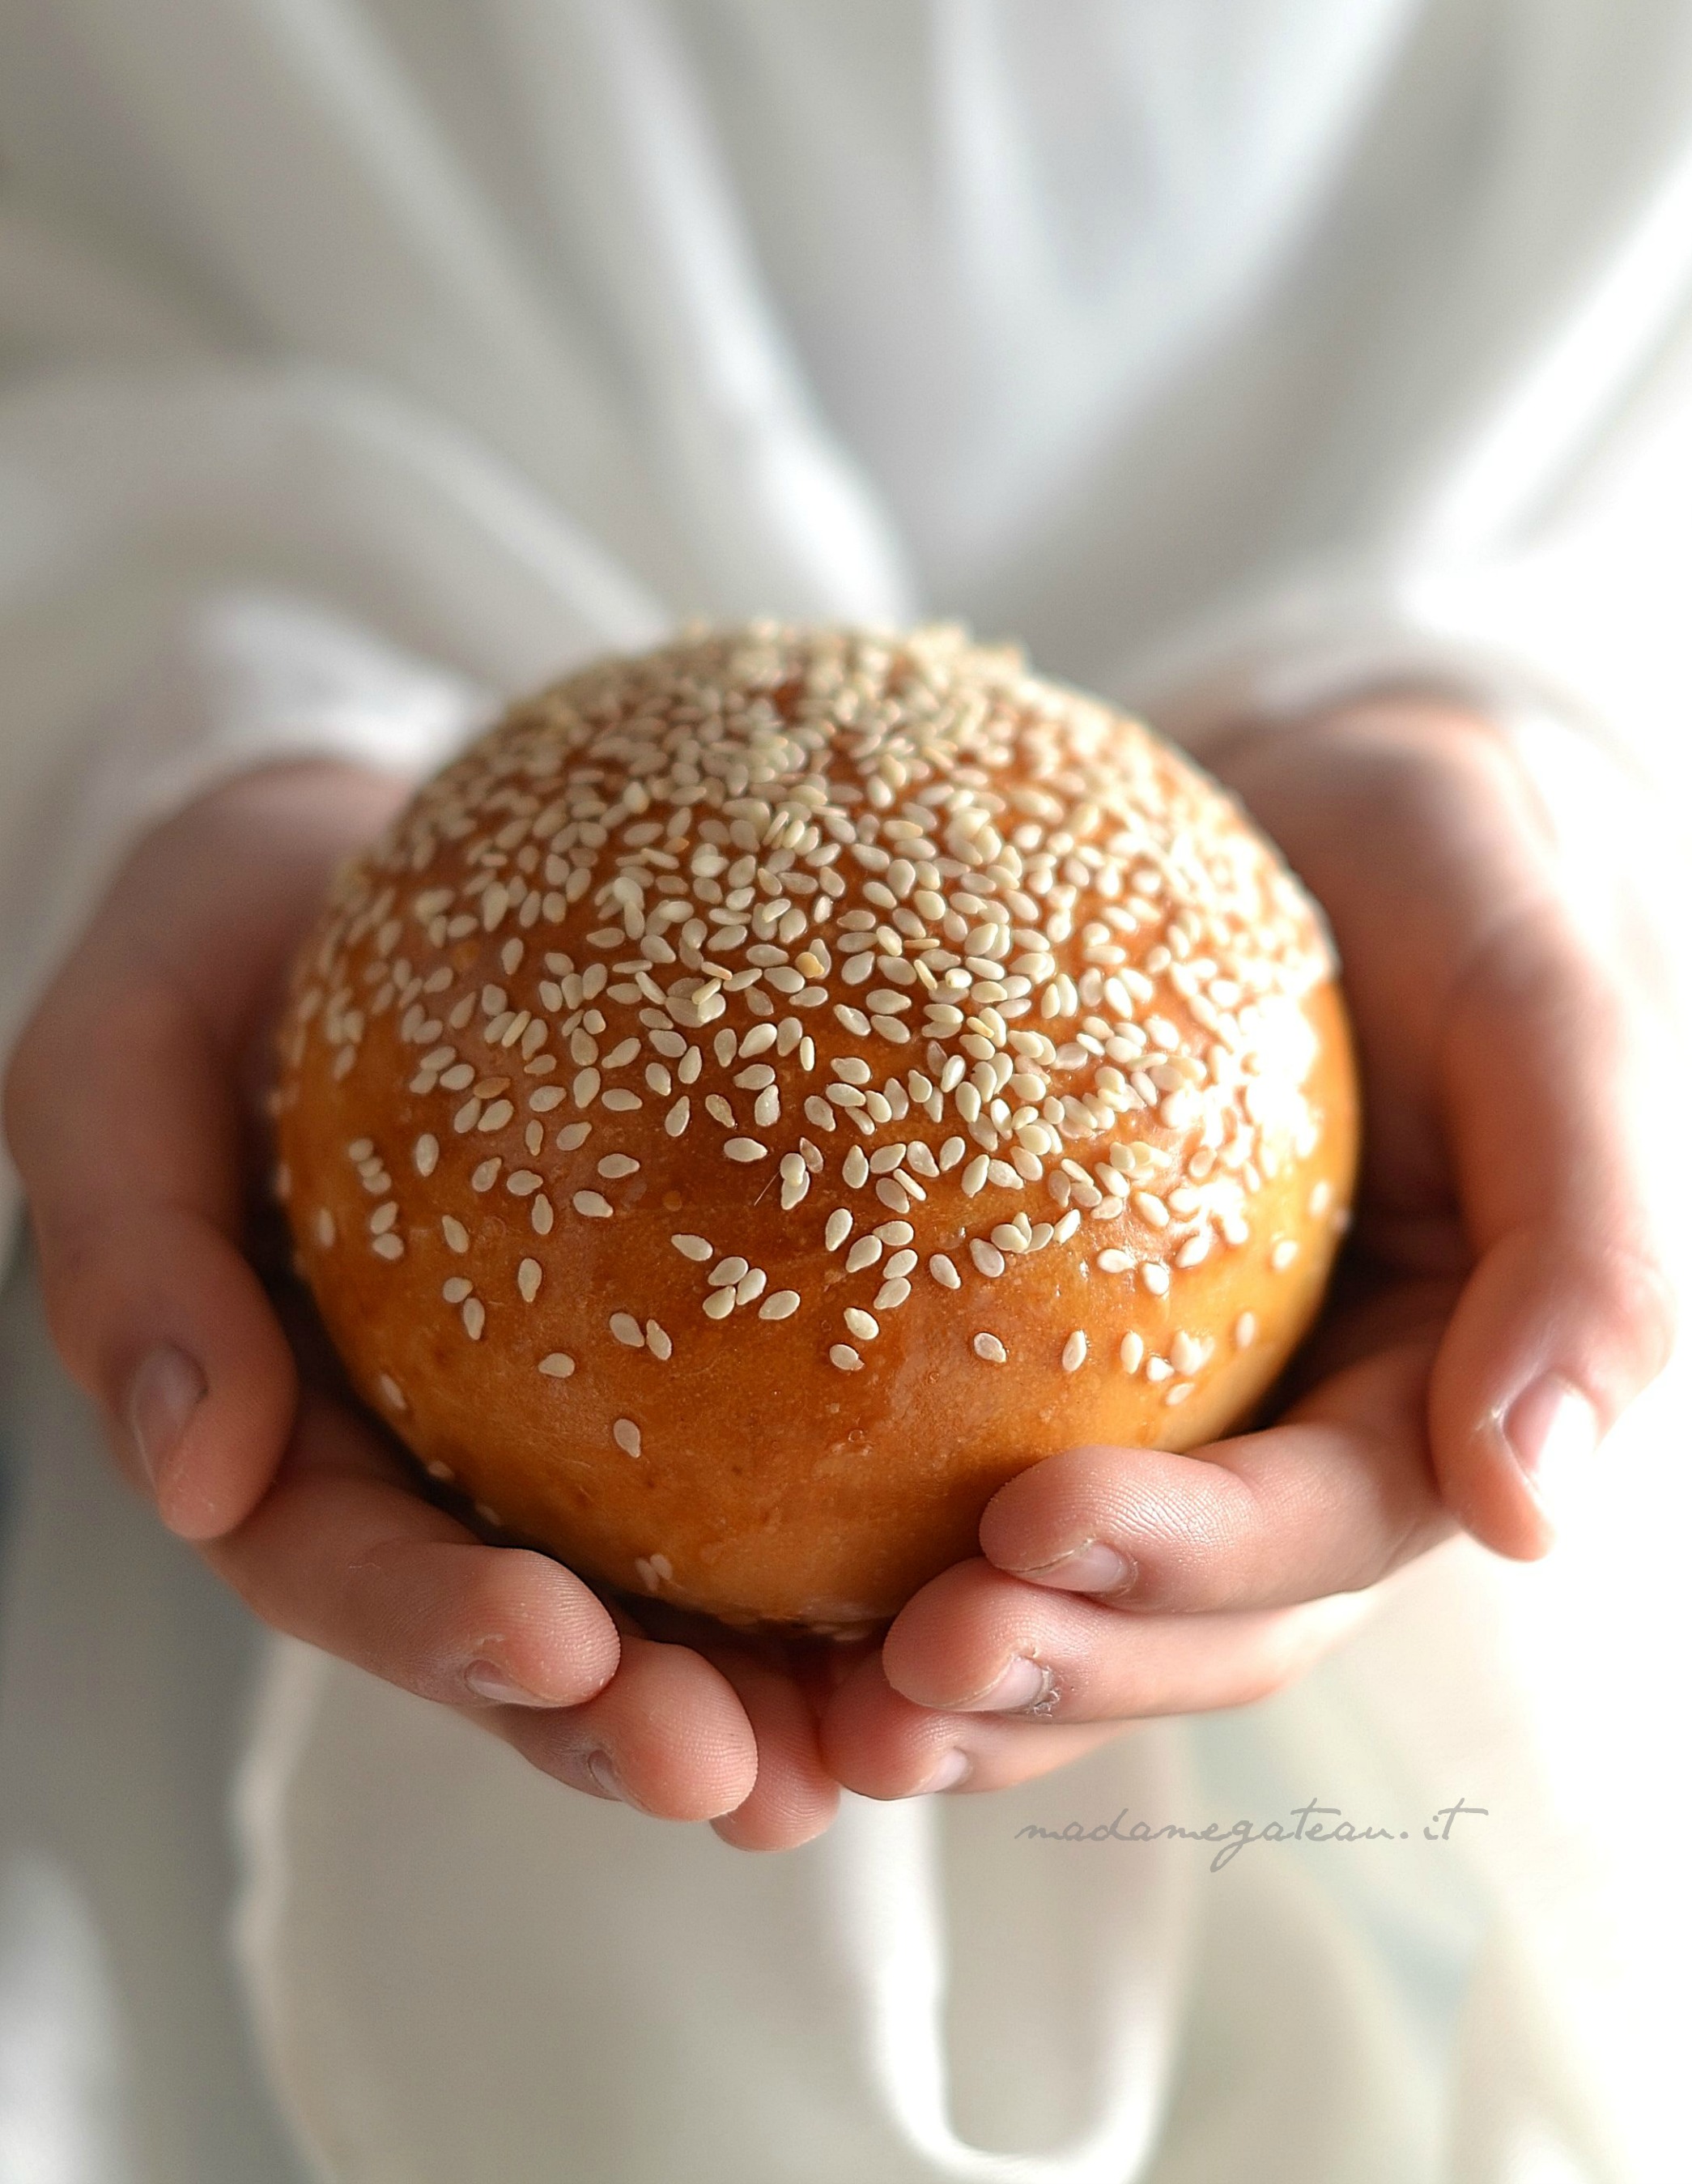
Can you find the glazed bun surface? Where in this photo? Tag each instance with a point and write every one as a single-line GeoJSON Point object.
{"type": "Point", "coordinates": [767, 1092]}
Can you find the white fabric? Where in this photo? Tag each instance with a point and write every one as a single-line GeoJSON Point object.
{"type": "Point", "coordinates": [362, 359]}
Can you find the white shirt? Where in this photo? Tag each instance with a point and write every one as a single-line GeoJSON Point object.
{"type": "Point", "coordinates": [364, 359]}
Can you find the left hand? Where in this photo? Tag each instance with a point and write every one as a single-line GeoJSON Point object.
{"type": "Point", "coordinates": [1505, 1296]}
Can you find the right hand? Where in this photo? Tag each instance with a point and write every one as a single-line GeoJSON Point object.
{"type": "Point", "coordinates": [131, 1108]}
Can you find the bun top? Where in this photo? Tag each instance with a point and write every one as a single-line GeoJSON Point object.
{"type": "Point", "coordinates": [819, 942]}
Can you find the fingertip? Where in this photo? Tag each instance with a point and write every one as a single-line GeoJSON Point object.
{"type": "Point", "coordinates": [208, 1457]}
{"type": "Point", "coordinates": [1550, 1343]}
{"type": "Point", "coordinates": [676, 1734]}
{"type": "Point", "coordinates": [939, 1648]}
{"type": "Point", "coordinates": [1021, 1526]}
{"type": "Point", "coordinates": [879, 1744]}
{"type": "Point", "coordinates": [794, 1798]}
{"type": "Point", "coordinates": [785, 1818]}
{"type": "Point", "coordinates": [537, 1636]}
{"type": "Point", "coordinates": [1074, 1522]}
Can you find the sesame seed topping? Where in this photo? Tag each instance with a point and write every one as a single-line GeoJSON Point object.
{"type": "Point", "coordinates": [657, 1341]}
{"type": "Point", "coordinates": [1178, 1392]}
{"type": "Point", "coordinates": [992, 945]}
{"type": "Point", "coordinates": [626, 1435]}
{"type": "Point", "coordinates": [1187, 1353]}
{"type": "Point", "coordinates": [989, 1349]}
{"type": "Point", "coordinates": [1074, 1351]}
{"type": "Point", "coordinates": [474, 1314]}
{"type": "Point", "coordinates": [860, 1323]}
{"type": "Point", "coordinates": [1245, 1330]}
{"type": "Point", "coordinates": [1283, 1254]}
{"type": "Point", "coordinates": [1133, 1352]}
{"type": "Point", "coordinates": [627, 1330]}
{"type": "Point", "coordinates": [391, 1393]}
{"type": "Point", "coordinates": [557, 1366]}
{"type": "Point", "coordinates": [843, 1356]}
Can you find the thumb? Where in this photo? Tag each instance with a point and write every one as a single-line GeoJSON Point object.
{"type": "Point", "coordinates": [1551, 1068]}
{"type": "Point", "coordinates": [125, 1126]}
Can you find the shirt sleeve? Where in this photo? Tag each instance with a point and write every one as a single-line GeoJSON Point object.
{"type": "Point", "coordinates": [244, 679]}
{"type": "Point", "coordinates": [205, 571]}
{"type": "Point", "coordinates": [1564, 626]}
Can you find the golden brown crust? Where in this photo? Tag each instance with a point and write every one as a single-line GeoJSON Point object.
{"type": "Point", "coordinates": [596, 993]}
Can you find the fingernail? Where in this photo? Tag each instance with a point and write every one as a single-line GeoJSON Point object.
{"type": "Point", "coordinates": [494, 1684]}
{"type": "Point", "coordinates": [604, 1774]}
{"type": "Point", "coordinates": [1022, 1684]}
{"type": "Point", "coordinates": [1553, 1433]}
{"type": "Point", "coordinates": [951, 1770]}
{"type": "Point", "coordinates": [1093, 1568]}
{"type": "Point", "coordinates": [167, 1389]}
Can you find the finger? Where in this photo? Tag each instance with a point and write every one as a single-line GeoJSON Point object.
{"type": "Point", "coordinates": [668, 1735]}
{"type": "Point", "coordinates": [977, 1642]}
{"type": "Point", "coordinates": [794, 1798]}
{"type": "Point", "coordinates": [342, 1553]}
{"type": "Point", "coordinates": [1551, 1076]}
{"type": "Point", "coordinates": [125, 1129]}
{"type": "Point", "coordinates": [881, 1744]}
{"type": "Point", "coordinates": [1329, 1500]}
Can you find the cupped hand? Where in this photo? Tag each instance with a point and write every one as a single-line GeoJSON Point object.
{"type": "Point", "coordinates": [133, 1110]}
{"type": "Point", "coordinates": [1507, 1291]}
